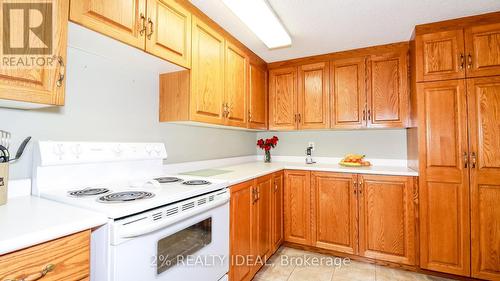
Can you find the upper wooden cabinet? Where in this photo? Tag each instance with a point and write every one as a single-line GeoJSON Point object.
{"type": "Point", "coordinates": [387, 218]}
{"type": "Point", "coordinates": [313, 96]}
{"type": "Point", "coordinates": [39, 85]}
{"type": "Point", "coordinates": [283, 99]}
{"type": "Point", "coordinates": [123, 20]}
{"type": "Point", "coordinates": [388, 90]}
{"type": "Point", "coordinates": [482, 44]}
{"type": "Point", "coordinates": [236, 86]}
{"type": "Point", "coordinates": [257, 98]}
{"type": "Point", "coordinates": [168, 31]}
{"type": "Point", "coordinates": [483, 116]}
{"type": "Point", "coordinates": [348, 92]}
{"type": "Point", "coordinates": [297, 203]}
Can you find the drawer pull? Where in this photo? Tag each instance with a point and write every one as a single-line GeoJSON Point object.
{"type": "Point", "coordinates": [37, 276]}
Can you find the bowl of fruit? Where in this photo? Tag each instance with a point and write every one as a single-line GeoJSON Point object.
{"type": "Point", "coordinates": [354, 160]}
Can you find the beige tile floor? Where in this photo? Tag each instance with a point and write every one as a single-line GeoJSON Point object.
{"type": "Point", "coordinates": [281, 267]}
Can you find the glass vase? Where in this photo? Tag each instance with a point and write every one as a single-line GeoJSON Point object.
{"type": "Point", "coordinates": [267, 156]}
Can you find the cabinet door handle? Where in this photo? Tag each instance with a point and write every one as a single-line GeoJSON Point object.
{"type": "Point", "coordinates": [62, 71]}
{"type": "Point", "coordinates": [249, 116]}
{"type": "Point", "coordinates": [300, 117]}
{"type": "Point", "coordinates": [143, 25]}
{"type": "Point", "coordinates": [150, 23]}
{"type": "Point", "coordinates": [360, 187]}
{"type": "Point", "coordinates": [469, 61]}
{"type": "Point", "coordinates": [355, 187]}
{"type": "Point", "coordinates": [369, 114]}
{"type": "Point", "coordinates": [364, 115]}
{"type": "Point", "coordinates": [36, 276]}
{"type": "Point", "coordinates": [462, 61]}
{"type": "Point", "coordinates": [473, 158]}
{"type": "Point", "coordinates": [466, 160]}
{"type": "Point", "coordinates": [275, 187]}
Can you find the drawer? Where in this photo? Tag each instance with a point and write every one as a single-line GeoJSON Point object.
{"type": "Point", "coordinates": [69, 256]}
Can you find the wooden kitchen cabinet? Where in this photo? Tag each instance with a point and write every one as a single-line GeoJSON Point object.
{"type": "Point", "coordinates": [122, 20]}
{"type": "Point", "coordinates": [348, 93]}
{"type": "Point", "coordinates": [297, 207]}
{"type": "Point", "coordinates": [277, 211]}
{"type": "Point", "coordinates": [482, 44]}
{"type": "Point", "coordinates": [387, 218]}
{"type": "Point", "coordinates": [444, 177]}
{"type": "Point", "coordinates": [283, 99]}
{"type": "Point", "coordinates": [39, 86]}
{"type": "Point", "coordinates": [257, 100]}
{"type": "Point", "coordinates": [241, 231]}
{"type": "Point", "coordinates": [313, 96]}
{"type": "Point", "coordinates": [236, 86]}
{"type": "Point", "coordinates": [483, 97]}
{"type": "Point", "coordinates": [168, 31]}
{"type": "Point", "coordinates": [334, 212]}
{"type": "Point", "coordinates": [262, 218]}
{"type": "Point", "coordinates": [388, 90]}
{"type": "Point", "coordinates": [66, 258]}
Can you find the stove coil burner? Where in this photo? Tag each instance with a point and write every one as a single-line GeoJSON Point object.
{"type": "Point", "coordinates": [88, 192]}
{"type": "Point", "coordinates": [125, 196]}
{"type": "Point", "coordinates": [196, 182]}
{"type": "Point", "coordinates": [167, 179]}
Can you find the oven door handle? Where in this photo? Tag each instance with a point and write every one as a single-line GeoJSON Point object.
{"type": "Point", "coordinates": [139, 229]}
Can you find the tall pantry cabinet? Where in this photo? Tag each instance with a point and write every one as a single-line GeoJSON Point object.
{"type": "Point", "coordinates": [457, 79]}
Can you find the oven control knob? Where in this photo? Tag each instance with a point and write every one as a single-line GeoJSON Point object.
{"type": "Point", "coordinates": [118, 150]}
{"type": "Point", "coordinates": [58, 150]}
{"type": "Point", "coordinates": [77, 150]}
{"type": "Point", "coordinates": [148, 149]}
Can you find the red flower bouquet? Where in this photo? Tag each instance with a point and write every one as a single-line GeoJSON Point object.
{"type": "Point", "coordinates": [267, 145]}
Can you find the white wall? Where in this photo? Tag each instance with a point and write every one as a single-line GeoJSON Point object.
{"type": "Point", "coordinates": [387, 144]}
{"type": "Point", "coordinates": [112, 95]}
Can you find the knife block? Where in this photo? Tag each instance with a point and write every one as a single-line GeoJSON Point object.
{"type": "Point", "coordinates": [4, 180]}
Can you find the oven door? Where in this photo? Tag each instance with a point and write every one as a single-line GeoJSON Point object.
{"type": "Point", "coordinates": [196, 248]}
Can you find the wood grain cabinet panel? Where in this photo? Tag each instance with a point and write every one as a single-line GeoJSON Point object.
{"type": "Point", "coordinates": [207, 74]}
{"type": "Point", "coordinates": [387, 93]}
{"type": "Point", "coordinates": [236, 86]}
{"type": "Point", "coordinates": [334, 212]}
{"type": "Point", "coordinates": [313, 96]}
{"type": "Point", "coordinates": [484, 115]}
{"type": "Point", "coordinates": [70, 257]}
{"type": "Point", "coordinates": [283, 99]}
{"type": "Point", "coordinates": [387, 218]}
{"type": "Point", "coordinates": [261, 216]}
{"type": "Point", "coordinates": [277, 210]}
{"type": "Point", "coordinates": [169, 33]}
{"type": "Point", "coordinates": [257, 114]}
{"type": "Point", "coordinates": [40, 85]}
{"type": "Point", "coordinates": [297, 211]}
{"type": "Point", "coordinates": [122, 20]}
{"type": "Point", "coordinates": [348, 93]}
{"type": "Point", "coordinates": [444, 177]}
{"type": "Point", "coordinates": [440, 55]}
{"type": "Point", "coordinates": [482, 44]}
{"type": "Point", "coordinates": [240, 244]}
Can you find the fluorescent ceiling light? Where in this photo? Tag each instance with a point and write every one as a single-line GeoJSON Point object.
{"type": "Point", "coordinates": [260, 18]}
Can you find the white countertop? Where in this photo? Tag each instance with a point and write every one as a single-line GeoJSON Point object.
{"type": "Point", "coordinates": [26, 221]}
{"type": "Point", "coordinates": [247, 171]}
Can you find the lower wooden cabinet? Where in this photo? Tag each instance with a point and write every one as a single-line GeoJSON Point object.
{"type": "Point", "coordinates": [255, 224]}
{"type": "Point", "coordinates": [367, 215]}
{"type": "Point", "coordinates": [66, 258]}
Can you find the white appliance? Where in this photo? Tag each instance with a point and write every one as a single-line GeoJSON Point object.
{"type": "Point", "coordinates": [160, 227]}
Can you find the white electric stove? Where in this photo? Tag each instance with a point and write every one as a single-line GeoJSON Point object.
{"type": "Point", "coordinates": [159, 225]}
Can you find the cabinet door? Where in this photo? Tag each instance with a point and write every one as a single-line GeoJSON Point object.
{"type": "Point", "coordinates": [387, 218]}
{"type": "Point", "coordinates": [348, 93]}
{"type": "Point", "coordinates": [123, 20]}
{"type": "Point", "coordinates": [443, 177]}
{"type": "Point", "coordinates": [236, 85]}
{"type": "Point", "coordinates": [440, 55]}
{"type": "Point", "coordinates": [483, 50]}
{"type": "Point", "coordinates": [283, 99]}
{"type": "Point", "coordinates": [241, 228]}
{"type": "Point", "coordinates": [334, 212]}
{"type": "Point", "coordinates": [262, 218]}
{"type": "Point", "coordinates": [387, 96]}
{"type": "Point", "coordinates": [297, 211]}
{"type": "Point", "coordinates": [484, 116]}
{"type": "Point", "coordinates": [257, 117]}
{"type": "Point", "coordinates": [313, 96]}
{"type": "Point", "coordinates": [39, 85]}
{"type": "Point", "coordinates": [207, 74]}
{"type": "Point", "coordinates": [169, 32]}
{"type": "Point", "coordinates": [277, 211]}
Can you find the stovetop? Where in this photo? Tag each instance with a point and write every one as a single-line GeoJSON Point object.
{"type": "Point", "coordinates": [120, 199]}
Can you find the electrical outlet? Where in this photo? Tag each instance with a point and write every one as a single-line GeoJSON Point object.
{"type": "Point", "coordinates": [311, 144]}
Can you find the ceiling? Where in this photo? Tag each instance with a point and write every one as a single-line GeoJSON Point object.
{"type": "Point", "coordinates": [325, 26]}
